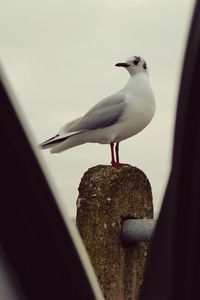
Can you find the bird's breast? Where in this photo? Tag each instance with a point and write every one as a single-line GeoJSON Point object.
{"type": "Point", "coordinates": [138, 113]}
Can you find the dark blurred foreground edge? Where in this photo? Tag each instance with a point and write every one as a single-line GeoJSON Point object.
{"type": "Point", "coordinates": [173, 266]}
{"type": "Point", "coordinates": [33, 235]}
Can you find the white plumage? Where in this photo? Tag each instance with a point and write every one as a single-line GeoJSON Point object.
{"type": "Point", "coordinates": [113, 119]}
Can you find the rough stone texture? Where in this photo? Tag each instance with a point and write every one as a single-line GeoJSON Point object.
{"type": "Point", "coordinates": [107, 196]}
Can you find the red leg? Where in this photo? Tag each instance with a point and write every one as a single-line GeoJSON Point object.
{"type": "Point", "coordinates": [117, 163]}
{"type": "Point", "coordinates": [112, 154]}
{"type": "Point", "coordinates": [117, 152]}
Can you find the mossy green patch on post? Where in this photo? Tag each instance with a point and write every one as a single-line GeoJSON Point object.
{"type": "Point", "coordinates": [107, 196]}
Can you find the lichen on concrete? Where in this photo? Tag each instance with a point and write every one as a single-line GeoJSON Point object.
{"type": "Point", "coordinates": [107, 196]}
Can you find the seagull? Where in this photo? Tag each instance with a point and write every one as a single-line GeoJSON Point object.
{"type": "Point", "coordinates": [113, 119]}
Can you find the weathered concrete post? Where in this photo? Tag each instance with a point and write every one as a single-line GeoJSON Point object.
{"type": "Point", "coordinates": [107, 196]}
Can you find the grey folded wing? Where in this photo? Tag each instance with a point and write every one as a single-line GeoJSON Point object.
{"type": "Point", "coordinates": [105, 113]}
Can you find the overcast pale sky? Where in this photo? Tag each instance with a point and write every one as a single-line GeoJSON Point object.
{"type": "Point", "coordinates": [59, 58]}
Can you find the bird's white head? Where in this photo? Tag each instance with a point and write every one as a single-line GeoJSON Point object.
{"type": "Point", "coordinates": [134, 64]}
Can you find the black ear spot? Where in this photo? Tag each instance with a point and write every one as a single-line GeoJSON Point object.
{"type": "Point", "coordinates": [145, 66]}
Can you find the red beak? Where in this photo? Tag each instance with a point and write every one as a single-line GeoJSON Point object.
{"type": "Point", "coordinates": [122, 65]}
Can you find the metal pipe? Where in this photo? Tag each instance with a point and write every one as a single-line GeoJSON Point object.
{"type": "Point", "coordinates": [137, 230]}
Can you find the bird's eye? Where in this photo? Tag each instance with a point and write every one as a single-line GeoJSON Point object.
{"type": "Point", "coordinates": [136, 62]}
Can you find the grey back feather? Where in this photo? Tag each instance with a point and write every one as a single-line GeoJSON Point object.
{"type": "Point", "coordinates": [106, 113]}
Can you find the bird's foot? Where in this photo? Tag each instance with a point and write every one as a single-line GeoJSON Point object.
{"type": "Point", "coordinates": [118, 164]}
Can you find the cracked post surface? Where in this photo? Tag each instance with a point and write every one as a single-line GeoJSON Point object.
{"type": "Point", "coordinates": [107, 196]}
